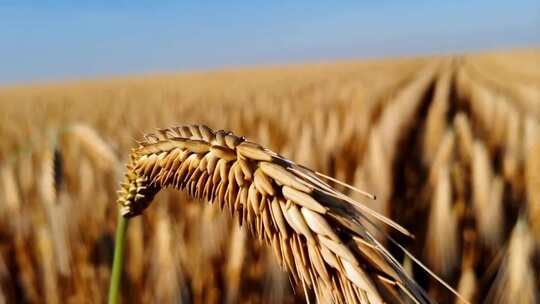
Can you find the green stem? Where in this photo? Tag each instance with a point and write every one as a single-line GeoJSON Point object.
{"type": "Point", "coordinates": [119, 243]}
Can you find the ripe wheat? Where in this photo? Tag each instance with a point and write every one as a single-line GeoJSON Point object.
{"type": "Point", "coordinates": [318, 234]}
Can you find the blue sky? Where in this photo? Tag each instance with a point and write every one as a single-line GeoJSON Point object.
{"type": "Point", "coordinates": [57, 40]}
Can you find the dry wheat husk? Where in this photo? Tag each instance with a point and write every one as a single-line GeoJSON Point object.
{"type": "Point", "coordinates": [308, 224]}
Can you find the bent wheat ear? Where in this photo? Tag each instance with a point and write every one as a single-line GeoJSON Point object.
{"type": "Point", "coordinates": [317, 233]}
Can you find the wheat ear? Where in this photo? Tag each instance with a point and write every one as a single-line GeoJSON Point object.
{"type": "Point", "coordinates": [318, 234]}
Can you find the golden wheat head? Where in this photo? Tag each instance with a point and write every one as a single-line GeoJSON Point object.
{"type": "Point", "coordinates": [317, 233]}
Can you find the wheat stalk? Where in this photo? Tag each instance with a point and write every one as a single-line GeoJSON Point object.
{"type": "Point", "coordinates": [318, 234]}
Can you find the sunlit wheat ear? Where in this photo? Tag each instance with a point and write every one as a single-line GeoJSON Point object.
{"type": "Point", "coordinates": [443, 156]}
{"type": "Point", "coordinates": [96, 149]}
{"type": "Point", "coordinates": [465, 139]}
{"type": "Point", "coordinates": [318, 234]}
{"type": "Point", "coordinates": [482, 186]}
{"type": "Point", "coordinates": [500, 121]}
{"type": "Point", "coordinates": [436, 117]}
{"type": "Point", "coordinates": [482, 106]}
{"type": "Point", "coordinates": [25, 173]}
{"type": "Point", "coordinates": [51, 238]}
{"type": "Point", "coordinates": [50, 182]}
{"type": "Point", "coordinates": [463, 84]}
{"type": "Point", "coordinates": [516, 281]}
{"type": "Point", "coordinates": [513, 147]}
{"type": "Point", "coordinates": [441, 247]}
{"type": "Point", "coordinates": [10, 193]}
{"type": "Point", "coordinates": [496, 211]}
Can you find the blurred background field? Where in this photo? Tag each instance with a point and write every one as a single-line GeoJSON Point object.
{"type": "Point", "coordinates": [449, 144]}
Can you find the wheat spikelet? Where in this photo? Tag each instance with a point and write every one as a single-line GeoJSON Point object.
{"type": "Point", "coordinates": [318, 234]}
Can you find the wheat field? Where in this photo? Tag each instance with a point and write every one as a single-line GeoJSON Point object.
{"type": "Point", "coordinates": [449, 145]}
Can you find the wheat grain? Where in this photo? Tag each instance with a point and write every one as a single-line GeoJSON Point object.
{"type": "Point", "coordinates": [308, 224]}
